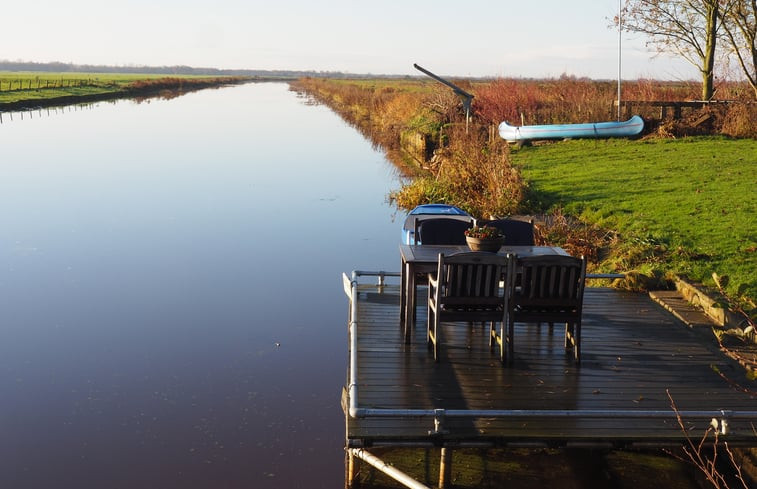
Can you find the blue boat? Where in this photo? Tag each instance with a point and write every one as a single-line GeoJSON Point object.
{"type": "Point", "coordinates": [430, 211]}
{"type": "Point", "coordinates": [631, 127]}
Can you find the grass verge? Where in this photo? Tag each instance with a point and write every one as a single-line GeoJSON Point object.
{"type": "Point", "coordinates": [24, 90]}
{"type": "Point", "coordinates": [685, 206]}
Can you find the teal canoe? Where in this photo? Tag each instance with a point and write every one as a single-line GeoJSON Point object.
{"type": "Point", "coordinates": [631, 127]}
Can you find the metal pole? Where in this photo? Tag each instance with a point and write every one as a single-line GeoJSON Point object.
{"type": "Point", "coordinates": [352, 388]}
{"type": "Point", "coordinates": [620, 40]}
{"type": "Point", "coordinates": [467, 97]}
{"type": "Point", "coordinates": [454, 87]}
{"type": "Point", "coordinates": [395, 474]}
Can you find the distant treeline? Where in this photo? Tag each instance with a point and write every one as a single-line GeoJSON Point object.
{"type": "Point", "coordinates": [166, 70]}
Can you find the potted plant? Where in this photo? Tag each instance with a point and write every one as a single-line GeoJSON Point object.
{"type": "Point", "coordinates": [484, 238]}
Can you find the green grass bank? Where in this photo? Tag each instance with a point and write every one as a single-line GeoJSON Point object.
{"type": "Point", "coordinates": [28, 90]}
{"type": "Point", "coordinates": [685, 206]}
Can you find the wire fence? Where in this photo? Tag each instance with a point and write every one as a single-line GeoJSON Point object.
{"type": "Point", "coordinates": [14, 85]}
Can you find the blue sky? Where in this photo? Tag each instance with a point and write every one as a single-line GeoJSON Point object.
{"type": "Point", "coordinates": [527, 38]}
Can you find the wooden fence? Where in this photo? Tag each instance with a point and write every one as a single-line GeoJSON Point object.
{"type": "Point", "coordinates": [665, 109]}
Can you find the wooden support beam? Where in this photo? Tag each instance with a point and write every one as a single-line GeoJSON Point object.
{"type": "Point", "coordinates": [445, 467]}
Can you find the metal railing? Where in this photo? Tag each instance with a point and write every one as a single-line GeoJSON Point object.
{"type": "Point", "coordinates": [438, 415]}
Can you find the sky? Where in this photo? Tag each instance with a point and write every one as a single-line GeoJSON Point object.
{"type": "Point", "coordinates": [468, 38]}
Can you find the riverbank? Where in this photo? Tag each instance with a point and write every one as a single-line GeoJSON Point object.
{"type": "Point", "coordinates": [586, 193]}
{"type": "Point", "coordinates": [27, 91]}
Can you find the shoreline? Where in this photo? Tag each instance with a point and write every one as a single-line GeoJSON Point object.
{"type": "Point", "coordinates": [169, 86]}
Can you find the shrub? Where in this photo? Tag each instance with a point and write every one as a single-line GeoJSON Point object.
{"type": "Point", "coordinates": [740, 121]}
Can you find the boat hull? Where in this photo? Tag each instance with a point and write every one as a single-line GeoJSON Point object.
{"type": "Point", "coordinates": [631, 127]}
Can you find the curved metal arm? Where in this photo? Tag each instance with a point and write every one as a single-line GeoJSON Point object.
{"type": "Point", "coordinates": [467, 97]}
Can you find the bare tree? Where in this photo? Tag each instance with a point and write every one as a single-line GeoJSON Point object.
{"type": "Point", "coordinates": [740, 25]}
{"type": "Point", "coordinates": [688, 28]}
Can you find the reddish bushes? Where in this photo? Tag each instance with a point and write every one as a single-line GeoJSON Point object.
{"type": "Point", "coordinates": [574, 100]}
{"type": "Point", "coordinates": [563, 100]}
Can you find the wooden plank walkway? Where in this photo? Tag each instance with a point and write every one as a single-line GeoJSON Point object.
{"type": "Point", "coordinates": [633, 353]}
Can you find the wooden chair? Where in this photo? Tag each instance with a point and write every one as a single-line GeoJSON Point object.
{"type": "Point", "coordinates": [441, 231]}
{"type": "Point", "coordinates": [466, 287]}
{"type": "Point", "coordinates": [517, 232]}
{"type": "Point", "coordinates": [543, 289]}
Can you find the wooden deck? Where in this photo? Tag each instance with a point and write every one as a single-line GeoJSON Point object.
{"type": "Point", "coordinates": [633, 353]}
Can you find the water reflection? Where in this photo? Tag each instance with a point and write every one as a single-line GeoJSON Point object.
{"type": "Point", "coordinates": [171, 310]}
{"type": "Point", "coordinates": [40, 112]}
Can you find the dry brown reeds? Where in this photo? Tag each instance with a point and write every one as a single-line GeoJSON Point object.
{"type": "Point", "coordinates": [563, 100]}
{"type": "Point", "coordinates": [568, 99]}
{"type": "Point", "coordinates": [180, 83]}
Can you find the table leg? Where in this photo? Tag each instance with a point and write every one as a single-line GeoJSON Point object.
{"type": "Point", "coordinates": [403, 293]}
{"type": "Point", "coordinates": [409, 301]}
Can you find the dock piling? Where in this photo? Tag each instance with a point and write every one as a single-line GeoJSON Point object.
{"type": "Point", "coordinates": [445, 467]}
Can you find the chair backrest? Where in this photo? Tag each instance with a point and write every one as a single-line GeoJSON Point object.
{"type": "Point", "coordinates": [548, 283]}
{"type": "Point", "coordinates": [517, 232]}
{"type": "Point", "coordinates": [441, 231]}
{"type": "Point", "coordinates": [471, 282]}
{"type": "Point", "coordinates": [430, 211]}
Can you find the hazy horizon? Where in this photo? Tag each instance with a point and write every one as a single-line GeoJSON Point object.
{"type": "Point", "coordinates": [480, 39]}
{"type": "Point", "coordinates": [151, 69]}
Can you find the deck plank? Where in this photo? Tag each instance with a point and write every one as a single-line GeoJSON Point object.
{"type": "Point", "coordinates": [633, 353]}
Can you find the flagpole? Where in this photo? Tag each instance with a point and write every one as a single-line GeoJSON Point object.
{"type": "Point", "coordinates": [620, 40]}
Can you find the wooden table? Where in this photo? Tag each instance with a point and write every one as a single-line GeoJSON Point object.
{"type": "Point", "coordinates": [417, 259]}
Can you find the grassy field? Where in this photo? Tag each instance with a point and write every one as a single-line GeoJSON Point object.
{"type": "Point", "coordinates": [15, 86]}
{"type": "Point", "coordinates": [690, 201]}
{"type": "Point", "coordinates": [30, 86]}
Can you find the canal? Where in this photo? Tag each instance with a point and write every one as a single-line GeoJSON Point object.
{"type": "Point", "coordinates": [171, 305]}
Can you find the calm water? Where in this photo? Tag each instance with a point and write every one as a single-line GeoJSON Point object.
{"type": "Point", "coordinates": [171, 307]}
